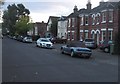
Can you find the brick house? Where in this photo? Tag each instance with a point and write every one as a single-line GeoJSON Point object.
{"type": "Point", "coordinates": [73, 28]}
{"type": "Point", "coordinates": [84, 17]}
{"type": "Point", "coordinates": [99, 23]}
{"type": "Point", "coordinates": [39, 28]}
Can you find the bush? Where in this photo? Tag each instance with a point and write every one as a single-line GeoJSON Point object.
{"type": "Point", "coordinates": [117, 44]}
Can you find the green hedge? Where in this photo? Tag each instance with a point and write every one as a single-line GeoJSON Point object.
{"type": "Point", "coordinates": [117, 44]}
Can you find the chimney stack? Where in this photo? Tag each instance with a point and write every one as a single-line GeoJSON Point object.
{"type": "Point", "coordinates": [89, 5]}
{"type": "Point", "coordinates": [75, 9]}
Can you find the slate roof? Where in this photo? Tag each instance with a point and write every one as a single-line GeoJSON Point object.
{"type": "Point", "coordinates": [105, 5]}
{"type": "Point", "coordinates": [73, 14]}
{"type": "Point", "coordinates": [84, 11]}
{"type": "Point", "coordinates": [62, 18]}
{"type": "Point", "coordinates": [53, 18]}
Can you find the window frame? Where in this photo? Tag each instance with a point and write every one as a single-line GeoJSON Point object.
{"type": "Point", "coordinates": [104, 16]}
{"type": "Point", "coordinates": [86, 20]}
{"type": "Point", "coordinates": [110, 18]}
{"type": "Point", "coordinates": [73, 22]}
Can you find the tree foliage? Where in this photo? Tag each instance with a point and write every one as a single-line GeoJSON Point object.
{"type": "Point", "coordinates": [22, 26]}
{"type": "Point", "coordinates": [16, 19]}
{"type": "Point", "coordinates": [9, 18]}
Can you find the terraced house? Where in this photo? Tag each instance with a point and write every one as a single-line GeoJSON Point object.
{"type": "Point", "coordinates": [99, 23]}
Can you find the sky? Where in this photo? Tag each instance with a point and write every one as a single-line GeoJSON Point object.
{"type": "Point", "coordinates": [40, 10]}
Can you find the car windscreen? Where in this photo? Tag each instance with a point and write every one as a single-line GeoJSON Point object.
{"type": "Point", "coordinates": [45, 40]}
{"type": "Point", "coordinates": [29, 38]}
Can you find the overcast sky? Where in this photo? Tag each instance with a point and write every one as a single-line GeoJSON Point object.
{"type": "Point", "coordinates": [40, 10]}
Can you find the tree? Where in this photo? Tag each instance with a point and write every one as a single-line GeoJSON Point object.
{"type": "Point", "coordinates": [22, 26]}
{"type": "Point", "coordinates": [22, 10]}
{"type": "Point", "coordinates": [16, 16]}
{"type": "Point", "coordinates": [10, 17]}
{"type": "Point", "coordinates": [2, 2]}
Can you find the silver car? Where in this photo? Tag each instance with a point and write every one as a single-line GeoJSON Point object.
{"type": "Point", "coordinates": [90, 43]}
{"type": "Point", "coordinates": [76, 49]}
{"type": "Point", "coordinates": [27, 39]}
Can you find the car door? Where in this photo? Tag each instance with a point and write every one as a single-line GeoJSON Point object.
{"type": "Point", "coordinates": [67, 48]}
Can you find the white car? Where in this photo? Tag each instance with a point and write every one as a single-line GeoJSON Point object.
{"type": "Point", "coordinates": [44, 42]}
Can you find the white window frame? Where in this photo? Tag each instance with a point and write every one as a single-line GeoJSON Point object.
{"type": "Point", "coordinates": [81, 30]}
{"type": "Point", "coordinates": [93, 19]}
{"type": "Point", "coordinates": [103, 30]}
{"type": "Point", "coordinates": [86, 19]}
{"type": "Point", "coordinates": [69, 22]}
{"type": "Point", "coordinates": [110, 15]}
{"type": "Point", "coordinates": [73, 35]}
{"type": "Point", "coordinates": [73, 22]}
{"type": "Point", "coordinates": [110, 30]}
{"type": "Point", "coordinates": [110, 34]}
{"type": "Point", "coordinates": [82, 20]}
{"type": "Point", "coordinates": [104, 17]}
{"type": "Point", "coordinates": [86, 33]}
{"type": "Point", "coordinates": [68, 35]}
{"type": "Point", "coordinates": [97, 18]}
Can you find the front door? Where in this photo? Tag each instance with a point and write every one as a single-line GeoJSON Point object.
{"type": "Point", "coordinates": [97, 38]}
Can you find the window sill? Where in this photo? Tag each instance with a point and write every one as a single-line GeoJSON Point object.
{"type": "Point", "coordinates": [103, 22]}
{"type": "Point", "coordinates": [111, 21]}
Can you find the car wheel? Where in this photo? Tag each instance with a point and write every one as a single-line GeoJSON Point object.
{"type": "Point", "coordinates": [72, 54]}
{"type": "Point", "coordinates": [62, 51]}
{"type": "Point", "coordinates": [40, 45]}
{"type": "Point", "coordinates": [106, 50]}
{"type": "Point", "coordinates": [36, 45]}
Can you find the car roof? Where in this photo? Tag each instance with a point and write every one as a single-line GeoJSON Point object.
{"type": "Point", "coordinates": [43, 38]}
{"type": "Point", "coordinates": [75, 42]}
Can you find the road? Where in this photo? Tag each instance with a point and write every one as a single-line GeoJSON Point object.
{"type": "Point", "coordinates": [24, 62]}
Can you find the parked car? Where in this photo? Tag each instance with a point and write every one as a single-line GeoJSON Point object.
{"type": "Point", "coordinates": [27, 39]}
{"type": "Point", "coordinates": [58, 40]}
{"type": "Point", "coordinates": [44, 42]}
{"type": "Point", "coordinates": [1, 36]}
{"type": "Point", "coordinates": [90, 43]}
{"type": "Point", "coordinates": [76, 49]}
{"type": "Point", "coordinates": [105, 45]}
{"type": "Point", "coordinates": [20, 38]}
{"type": "Point", "coordinates": [15, 37]}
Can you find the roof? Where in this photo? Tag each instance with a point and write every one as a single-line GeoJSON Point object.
{"type": "Point", "coordinates": [53, 18]}
{"type": "Point", "coordinates": [84, 11]}
{"type": "Point", "coordinates": [62, 18]}
{"type": "Point", "coordinates": [73, 14]}
{"type": "Point", "coordinates": [105, 5]}
{"type": "Point", "coordinates": [102, 6]}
